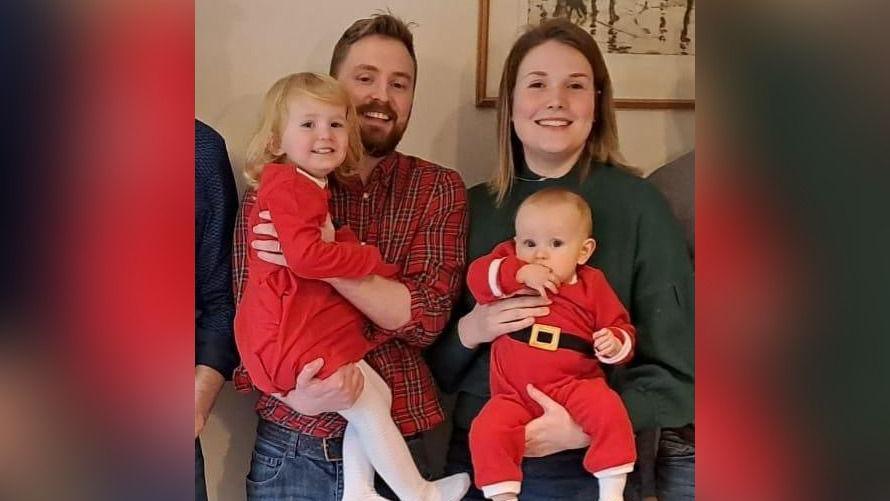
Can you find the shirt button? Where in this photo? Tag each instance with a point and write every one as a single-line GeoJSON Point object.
{"type": "Point", "coordinates": [366, 195]}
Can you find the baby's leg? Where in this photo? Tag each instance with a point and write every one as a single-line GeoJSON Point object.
{"type": "Point", "coordinates": [602, 415]}
{"type": "Point", "coordinates": [497, 443]}
{"type": "Point", "coordinates": [384, 445]}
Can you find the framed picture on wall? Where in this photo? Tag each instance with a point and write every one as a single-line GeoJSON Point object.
{"type": "Point", "coordinates": [648, 45]}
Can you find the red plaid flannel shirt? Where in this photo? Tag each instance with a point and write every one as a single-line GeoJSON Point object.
{"type": "Point", "coordinates": [415, 212]}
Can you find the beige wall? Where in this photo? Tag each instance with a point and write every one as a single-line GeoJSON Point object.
{"type": "Point", "coordinates": [242, 47]}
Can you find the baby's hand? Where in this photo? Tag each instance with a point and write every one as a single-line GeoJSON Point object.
{"type": "Point", "coordinates": [605, 343]}
{"type": "Point", "coordinates": [539, 278]}
{"type": "Point", "coordinates": [327, 230]}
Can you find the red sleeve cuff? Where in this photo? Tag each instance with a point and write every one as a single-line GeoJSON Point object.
{"type": "Point", "coordinates": [506, 275]}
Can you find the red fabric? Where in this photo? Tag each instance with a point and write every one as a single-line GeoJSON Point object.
{"type": "Point", "coordinates": [574, 380]}
{"type": "Point", "coordinates": [478, 273]}
{"type": "Point", "coordinates": [581, 308]}
{"type": "Point", "coordinates": [287, 317]}
{"type": "Point", "coordinates": [497, 435]}
{"type": "Point", "coordinates": [415, 214]}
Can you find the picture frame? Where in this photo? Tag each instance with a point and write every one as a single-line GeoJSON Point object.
{"type": "Point", "coordinates": [640, 81]}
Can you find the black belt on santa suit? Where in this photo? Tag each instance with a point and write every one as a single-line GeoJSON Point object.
{"type": "Point", "coordinates": [549, 338]}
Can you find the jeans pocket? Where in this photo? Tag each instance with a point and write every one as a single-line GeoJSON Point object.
{"type": "Point", "coordinates": [672, 445]}
{"type": "Point", "coordinates": [266, 461]}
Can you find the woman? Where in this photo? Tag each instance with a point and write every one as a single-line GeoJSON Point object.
{"type": "Point", "coordinates": [556, 127]}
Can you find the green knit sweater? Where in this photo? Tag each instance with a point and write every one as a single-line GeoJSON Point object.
{"type": "Point", "coordinates": [642, 251]}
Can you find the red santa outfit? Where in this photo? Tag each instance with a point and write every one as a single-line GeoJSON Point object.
{"type": "Point", "coordinates": [555, 364]}
{"type": "Point", "coordinates": [287, 317]}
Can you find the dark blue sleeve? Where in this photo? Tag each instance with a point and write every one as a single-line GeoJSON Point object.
{"type": "Point", "coordinates": [216, 203]}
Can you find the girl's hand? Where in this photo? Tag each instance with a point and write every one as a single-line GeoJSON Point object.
{"type": "Point", "coordinates": [539, 278]}
{"type": "Point", "coordinates": [269, 249]}
{"type": "Point", "coordinates": [488, 321]}
{"type": "Point", "coordinates": [605, 344]}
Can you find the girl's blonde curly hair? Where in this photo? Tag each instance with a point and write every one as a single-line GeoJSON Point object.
{"type": "Point", "coordinates": [267, 140]}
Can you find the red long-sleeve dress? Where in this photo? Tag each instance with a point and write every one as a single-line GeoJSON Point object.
{"type": "Point", "coordinates": [287, 316]}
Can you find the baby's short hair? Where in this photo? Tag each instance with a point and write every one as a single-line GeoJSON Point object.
{"type": "Point", "coordinates": [555, 196]}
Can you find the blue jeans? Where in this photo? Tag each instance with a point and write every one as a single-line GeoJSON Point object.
{"type": "Point", "coordinates": [289, 466]}
{"type": "Point", "coordinates": [200, 484]}
{"type": "Point", "coordinates": [675, 468]}
{"type": "Point", "coordinates": [562, 476]}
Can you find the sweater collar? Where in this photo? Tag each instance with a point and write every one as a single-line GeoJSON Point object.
{"type": "Point", "coordinates": [524, 173]}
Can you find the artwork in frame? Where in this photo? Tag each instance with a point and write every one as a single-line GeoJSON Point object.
{"type": "Point", "coordinates": [648, 45]}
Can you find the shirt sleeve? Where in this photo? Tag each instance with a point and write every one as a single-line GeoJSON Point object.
{"type": "Point", "coordinates": [241, 379]}
{"type": "Point", "coordinates": [433, 272]}
{"type": "Point", "coordinates": [241, 245]}
{"type": "Point", "coordinates": [214, 302]}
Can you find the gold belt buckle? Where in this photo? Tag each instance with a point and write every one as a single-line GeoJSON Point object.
{"type": "Point", "coordinates": [551, 345]}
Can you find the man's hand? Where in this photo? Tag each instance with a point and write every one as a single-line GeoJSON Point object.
{"type": "Point", "coordinates": [269, 250]}
{"type": "Point", "coordinates": [488, 321]}
{"type": "Point", "coordinates": [605, 343]}
{"type": "Point", "coordinates": [337, 392]}
{"type": "Point", "coordinates": [208, 382]}
{"type": "Point", "coordinates": [552, 432]}
{"type": "Point", "coordinates": [539, 278]}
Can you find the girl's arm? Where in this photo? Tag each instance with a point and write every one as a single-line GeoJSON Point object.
{"type": "Point", "coordinates": [299, 209]}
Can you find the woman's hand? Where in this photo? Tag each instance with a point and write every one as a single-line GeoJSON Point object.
{"type": "Point", "coordinates": [552, 432]}
{"type": "Point", "coordinates": [269, 249]}
{"type": "Point", "coordinates": [337, 392]}
{"type": "Point", "coordinates": [488, 321]}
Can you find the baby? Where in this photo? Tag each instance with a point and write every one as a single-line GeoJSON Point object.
{"type": "Point", "coordinates": [560, 355]}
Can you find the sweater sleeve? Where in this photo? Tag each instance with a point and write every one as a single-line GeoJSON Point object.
{"type": "Point", "coordinates": [662, 310]}
{"type": "Point", "coordinates": [298, 213]}
{"type": "Point", "coordinates": [448, 358]}
{"type": "Point", "coordinates": [493, 276]}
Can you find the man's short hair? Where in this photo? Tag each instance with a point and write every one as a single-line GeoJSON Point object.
{"type": "Point", "coordinates": [385, 25]}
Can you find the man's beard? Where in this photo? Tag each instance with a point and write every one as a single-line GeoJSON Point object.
{"type": "Point", "coordinates": [378, 144]}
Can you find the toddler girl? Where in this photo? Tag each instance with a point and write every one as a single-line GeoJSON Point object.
{"type": "Point", "coordinates": [289, 316]}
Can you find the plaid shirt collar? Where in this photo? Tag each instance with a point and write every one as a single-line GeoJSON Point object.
{"type": "Point", "coordinates": [381, 174]}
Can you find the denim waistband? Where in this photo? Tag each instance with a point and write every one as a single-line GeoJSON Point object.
{"type": "Point", "coordinates": [300, 444]}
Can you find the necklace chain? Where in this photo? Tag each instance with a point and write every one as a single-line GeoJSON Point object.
{"type": "Point", "coordinates": [540, 179]}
